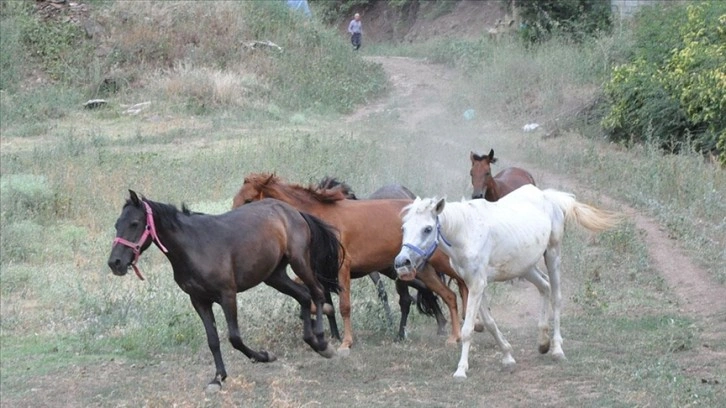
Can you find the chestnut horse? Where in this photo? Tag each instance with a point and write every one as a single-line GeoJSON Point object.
{"type": "Point", "coordinates": [426, 301]}
{"type": "Point", "coordinates": [493, 188]}
{"type": "Point", "coordinates": [370, 233]}
{"type": "Point", "coordinates": [216, 256]}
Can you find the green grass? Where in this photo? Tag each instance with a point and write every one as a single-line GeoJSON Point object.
{"type": "Point", "coordinates": [65, 176]}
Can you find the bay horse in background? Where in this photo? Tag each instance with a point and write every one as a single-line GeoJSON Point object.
{"type": "Point", "coordinates": [214, 257]}
{"type": "Point", "coordinates": [498, 241]}
{"type": "Point", "coordinates": [369, 231]}
{"type": "Point", "coordinates": [493, 188]}
{"type": "Point", "coordinates": [426, 300]}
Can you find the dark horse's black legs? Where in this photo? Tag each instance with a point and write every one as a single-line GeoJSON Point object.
{"type": "Point", "coordinates": [229, 306]}
{"type": "Point", "coordinates": [204, 310]}
{"type": "Point", "coordinates": [313, 336]}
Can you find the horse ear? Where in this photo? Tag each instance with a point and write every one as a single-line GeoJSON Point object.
{"type": "Point", "coordinates": [134, 198]}
{"type": "Point", "coordinates": [440, 206]}
{"type": "Point", "coordinates": [472, 156]}
{"type": "Point", "coordinates": [492, 159]}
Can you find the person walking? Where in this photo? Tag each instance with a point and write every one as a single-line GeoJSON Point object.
{"type": "Point", "coordinates": [355, 28]}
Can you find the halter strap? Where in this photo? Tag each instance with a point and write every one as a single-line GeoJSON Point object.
{"type": "Point", "coordinates": [427, 253]}
{"type": "Point", "coordinates": [136, 246]}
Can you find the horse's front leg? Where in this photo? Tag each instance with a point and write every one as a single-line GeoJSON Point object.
{"type": "Point", "coordinates": [204, 310]}
{"type": "Point", "coordinates": [344, 306]}
{"type": "Point", "coordinates": [476, 291]}
{"type": "Point", "coordinates": [431, 280]}
{"type": "Point", "coordinates": [507, 361]}
{"type": "Point", "coordinates": [404, 302]}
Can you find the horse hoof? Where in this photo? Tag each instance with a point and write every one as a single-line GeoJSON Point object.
{"type": "Point", "coordinates": [478, 327]}
{"type": "Point", "coordinates": [452, 341]}
{"type": "Point", "coordinates": [268, 357]}
{"type": "Point", "coordinates": [213, 387]}
{"type": "Point", "coordinates": [329, 352]}
{"type": "Point", "coordinates": [328, 309]}
{"type": "Point", "coordinates": [559, 355]}
{"type": "Point", "coordinates": [460, 376]}
{"type": "Point", "coordinates": [544, 348]}
{"type": "Point", "coordinates": [344, 352]}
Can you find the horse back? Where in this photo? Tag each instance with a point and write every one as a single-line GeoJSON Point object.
{"type": "Point", "coordinates": [511, 179]}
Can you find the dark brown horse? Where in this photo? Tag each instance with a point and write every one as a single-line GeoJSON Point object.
{"type": "Point", "coordinates": [216, 256]}
{"type": "Point", "coordinates": [493, 188]}
{"type": "Point", "coordinates": [370, 232]}
{"type": "Point", "coordinates": [426, 301]}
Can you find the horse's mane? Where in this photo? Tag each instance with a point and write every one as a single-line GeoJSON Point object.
{"type": "Point", "coordinates": [455, 218]}
{"type": "Point", "coordinates": [270, 182]}
{"type": "Point", "coordinates": [167, 215]}
{"type": "Point", "coordinates": [328, 183]}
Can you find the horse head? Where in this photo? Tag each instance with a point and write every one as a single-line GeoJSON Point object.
{"type": "Point", "coordinates": [135, 231]}
{"type": "Point", "coordinates": [254, 188]}
{"type": "Point", "coordinates": [421, 233]}
{"type": "Point", "coordinates": [481, 173]}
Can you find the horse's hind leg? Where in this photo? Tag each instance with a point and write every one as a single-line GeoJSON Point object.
{"type": "Point", "coordinates": [331, 317]}
{"type": "Point", "coordinates": [229, 307]}
{"type": "Point", "coordinates": [552, 260]}
{"type": "Point", "coordinates": [312, 336]}
{"type": "Point", "coordinates": [204, 310]}
{"type": "Point", "coordinates": [376, 278]}
{"type": "Point", "coordinates": [535, 276]}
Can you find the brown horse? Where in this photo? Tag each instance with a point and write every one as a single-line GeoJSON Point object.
{"type": "Point", "coordinates": [493, 188]}
{"type": "Point", "coordinates": [216, 256]}
{"type": "Point", "coordinates": [370, 233]}
{"type": "Point", "coordinates": [426, 301]}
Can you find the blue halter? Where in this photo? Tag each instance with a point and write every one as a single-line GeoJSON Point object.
{"type": "Point", "coordinates": [428, 252]}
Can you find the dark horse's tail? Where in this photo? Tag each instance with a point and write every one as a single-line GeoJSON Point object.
{"type": "Point", "coordinates": [325, 251]}
{"type": "Point", "coordinates": [427, 302]}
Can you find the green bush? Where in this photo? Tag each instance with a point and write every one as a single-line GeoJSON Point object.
{"type": "Point", "coordinates": [674, 90]}
{"type": "Point", "coordinates": [576, 19]}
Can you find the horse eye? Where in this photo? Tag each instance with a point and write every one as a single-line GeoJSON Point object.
{"type": "Point", "coordinates": [247, 201]}
{"type": "Point", "coordinates": [134, 224]}
{"type": "Point", "coordinates": [428, 230]}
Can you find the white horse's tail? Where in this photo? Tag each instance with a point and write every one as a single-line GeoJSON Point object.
{"type": "Point", "coordinates": [587, 216]}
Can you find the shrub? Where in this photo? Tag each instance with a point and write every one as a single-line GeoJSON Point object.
{"type": "Point", "coordinates": [675, 93]}
{"type": "Point", "coordinates": [576, 19]}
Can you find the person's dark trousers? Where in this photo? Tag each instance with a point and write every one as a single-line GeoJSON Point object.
{"type": "Point", "coordinates": [355, 40]}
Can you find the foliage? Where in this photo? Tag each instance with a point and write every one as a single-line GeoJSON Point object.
{"type": "Point", "coordinates": [576, 19]}
{"type": "Point", "coordinates": [332, 11]}
{"type": "Point", "coordinates": [675, 93]}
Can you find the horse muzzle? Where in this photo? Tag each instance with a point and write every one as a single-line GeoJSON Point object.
{"type": "Point", "coordinates": [404, 267]}
{"type": "Point", "coordinates": [118, 267]}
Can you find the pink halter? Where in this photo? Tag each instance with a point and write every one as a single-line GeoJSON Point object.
{"type": "Point", "coordinates": [136, 247]}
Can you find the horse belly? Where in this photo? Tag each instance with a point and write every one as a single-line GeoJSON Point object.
{"type": "Point", "coordinates": [518, 260]}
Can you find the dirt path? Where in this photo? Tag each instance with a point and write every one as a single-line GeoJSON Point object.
{"type": "Point", "coordinates": [421, 92]}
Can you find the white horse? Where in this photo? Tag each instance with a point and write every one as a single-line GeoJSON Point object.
{"type": "Point", "coordinates": [498, 241]}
